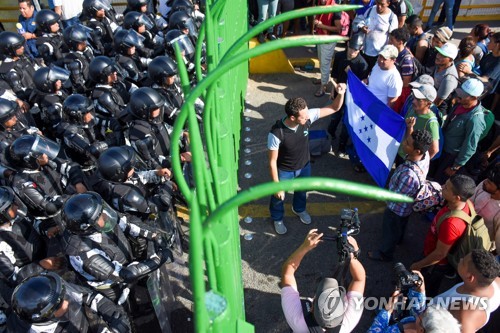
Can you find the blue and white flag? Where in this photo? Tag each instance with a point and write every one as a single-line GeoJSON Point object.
{"type": "Point", "coordinates": [376, 130]}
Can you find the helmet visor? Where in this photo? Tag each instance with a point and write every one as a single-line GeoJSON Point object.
{"type": "Point", "coordinates": [58, 73]}
{"type": "Point", "coordinates": [12, 209]}
{"type": "Point", "coordinates": [42, 145]}
{"type": "Point", "coordinates": [145, 21]}
{"type": "Point", "coordinates": [102, 4]}
{"type": "Point", "coordinates": [107, 220]}
{"type": "Point", "coordinates": [185, 45]}
{"type": "Point", "coordinates": [134, 39]}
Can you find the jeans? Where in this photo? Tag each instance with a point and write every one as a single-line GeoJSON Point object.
{"type": "Point", "coordinates": [325, 55]}
{"type": "Point", "coordinates": [276, 206]}
{"type": "Point", "coordinates": [393, 230]}
{"type": "Point", "coordinates": [267, 10]}
{"type": "Point", "coordinates": [449, 12]}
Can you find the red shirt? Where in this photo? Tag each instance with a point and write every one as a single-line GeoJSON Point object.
{"type": "Point", "coordinates": [450, 230]}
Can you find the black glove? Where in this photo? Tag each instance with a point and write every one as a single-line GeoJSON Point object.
{"type": "Point", "coordinates": [53, 205]}
{"type": "Point", "coordinates": [165, 255]}
{"type": "Point", "coordinates": [119, 323]}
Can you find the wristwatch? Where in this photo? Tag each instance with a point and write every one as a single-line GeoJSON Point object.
{"type": "Point", "coordinates": [455, 168]}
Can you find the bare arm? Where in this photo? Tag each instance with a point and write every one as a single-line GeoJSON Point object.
{"type": "Point", "coordinates": [392, 101]}
{"type": "Point", "coordinates": [470, 319]}
{"type": "Point", "coordinates": [422, 47]}
{"type": "Point", "coordinates": [434, 148]}
{"type": "Point", "coordinates": [58, 10]}
{"type": "Point", "coordinates": [273, 170]}
{"type": "Point", "coordinates": [406, 80]}
{"type": "Point", "coordinates": [336, 103]}
{"type": "Point", "coordinates": [291, 265]}
{"type": "Point", "coordinates": [439, 253]}
{"type": "Point", "coordinates": [357, 271]}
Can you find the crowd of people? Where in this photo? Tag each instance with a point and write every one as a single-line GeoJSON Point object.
{"type": "Point", "coordinates": [88, 98]}
{"type": "Point", "coordinates": [448, 96]}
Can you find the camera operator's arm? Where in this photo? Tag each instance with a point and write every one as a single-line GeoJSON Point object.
{"type": "Point", "coordinates": [439, 253]}
{"type": "Point", "coordinates": [357, 270]}
{"type": "Point", "coordinates": [293, 262]}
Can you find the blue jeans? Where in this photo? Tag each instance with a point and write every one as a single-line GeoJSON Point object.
{"type": "Point", "coordinates": [267, 10]}
{"type": "Point", "coordinates": [276, 206]}
{"type": "Point", "coordinates": [393, 230]}
{"type": "Point", "coordinates": [449, 12]}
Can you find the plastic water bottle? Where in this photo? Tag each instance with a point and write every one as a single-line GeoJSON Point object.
{"type": "Point", "coordinates": [20, 28]}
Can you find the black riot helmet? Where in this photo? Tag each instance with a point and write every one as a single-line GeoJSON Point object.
{"type": "Point", "coordinates": [100, 68]}
{"type": "Point", "coordinates": [75, 107]}
{"type": "Point", "coordinates": [25, 151]}
{"type": "Point", "coordinates": [37, 298]}
{"type": "Point", "coordinates": [75, 34]}
{"type": "Point", "coordinates": [136, 4]}
{"type": "Point", "coordinates": [46, 77]}
{"type": "Point", "coordinates": [88, 213]}
{"type": "Point", "coordinates": [125, 39]}
{"type": "Point", "coordinates": [133, 20]}
{"type": "Point", "coordinates": [10, 42]}
{"type": "Point", "coordinates": [160, 68]}
{"type": "Point", "coordinates": [115, 163]}
{"type": "Point", "coordinates": [182, 5]}
{"type": "Point", "coordinates": [91, 7]}
{"type": "Point", "coordinates": [145, 100]}
{"type": "Point", "coordinates": [8, 109]}
{"type": "Point", "coordinates": [182, 20]}
{"type": "Point", "coordinates": [177, 37]}
{"type": "Point", "coordinates": [45, 18]}
{"type": "Point", "coordinates": [9, 200]}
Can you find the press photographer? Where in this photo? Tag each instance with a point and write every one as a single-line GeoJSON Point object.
{"type": "Point", "coordinates": [406, 310]}
{"type": "Point", "coordinates": [332, 311]}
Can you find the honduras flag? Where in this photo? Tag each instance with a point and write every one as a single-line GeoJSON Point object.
{"type": "Point", "coordinates": [376, 130]}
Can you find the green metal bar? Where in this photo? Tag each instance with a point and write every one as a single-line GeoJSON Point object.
{"type": "Point", "coordinates": [282, 18]}
{"type": "Point", "coordinates": [304, 184]}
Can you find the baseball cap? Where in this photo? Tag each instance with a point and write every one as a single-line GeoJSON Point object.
{"type": "Point", "coordinates": [449, 50]}
{"type": "Point", "coordinates": [389, 52]}
{"type": "Point", "coordinates": [471, 87]}
{"type": "Point", "coordinates": [329, 303]}
{"type": "Point", "coordinates": [422, 79]}
{"type": "Point", "coordinates": [443, 34]}
{"type": "Point", "coordinates": [425, 91]}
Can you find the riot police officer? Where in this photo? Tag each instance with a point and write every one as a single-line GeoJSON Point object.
{"type": "Point", "coordinates": [47, 303]}
{"type": "Point", "coordinates": [77, 61]}
{"type": "Point", "coordinates": [143, 25]}
{"type": "Point", "coordinates": [163, 72]}
{"type": "Point", "coordinates": [95, 242]}
{"type": "Point", "coordinates": [103, 21]}
{"type": "Point", "coordinates": [127, 42]}
{"type": "Point", "coordinates": [50, 93]}
{"type": "Point", "coordinates": [22, 253]}
{"type": "Point", "coordinates": [13, 123]}
{"type": "Point", "coordinates": [50, 44]}
{"type": "Point", "coordinates": [110, 95]}
{"type": "Point", "coordinates": [188, 7]}
{"type": "Point", "coordinates": [42, 179]}
{"type": "Point", "coordinates": [78, 134]}
{"type": "Point", "coordinates": [184, 22]}
{"type": "Point", "coordinates": [17, 68]}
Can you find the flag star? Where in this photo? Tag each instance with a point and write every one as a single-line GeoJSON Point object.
{"type": "Point", "coordinates": [369, 139]}
{"type": "Point", "coordinates": [360, 131]}
{"type": "Point", "coordinates": [371, 126]}
{"type": "Point", "coordinates": [362, 118]}
{"type": "Point", "coordinates": [366, 129]}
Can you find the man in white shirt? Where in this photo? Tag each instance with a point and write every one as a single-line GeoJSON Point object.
{"type": "Point", "coordinates": [332, 307]}
{"type": "Point", "coordinates": [69, 10]}
{"type": "Point", "coordinates": [377, 23]}
{"type": "Point", "coordinates": [385, 82]}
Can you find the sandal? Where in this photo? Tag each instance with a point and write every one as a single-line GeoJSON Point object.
{"type": "Point", "coordinates": [320, 92]}
{"type": "Point", "coordinates": [377, 256]}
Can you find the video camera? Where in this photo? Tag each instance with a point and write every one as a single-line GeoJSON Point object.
{"type": "Point", "coordinates": [349, 225]}
{"type": "Point", "coordinates": [405, 279]}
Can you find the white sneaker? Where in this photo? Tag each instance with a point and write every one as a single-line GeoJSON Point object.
{"type": "Point", "coordinates": [304, 216]}
{"type": "Point", "coordinates": [279, 227]}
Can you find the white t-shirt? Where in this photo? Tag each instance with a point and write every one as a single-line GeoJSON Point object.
{"type": "Point", "coordinates": [70, 8]}
{"type": "Point", "coordinates": [385, 84]}
{"type": "Point", "coordinates": [292, 309]}
{"type": "Point", "coordinates": [379, 27]}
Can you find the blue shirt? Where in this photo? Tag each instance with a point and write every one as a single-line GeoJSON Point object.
{"type": "Point", "coordinates": [29, 26]}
